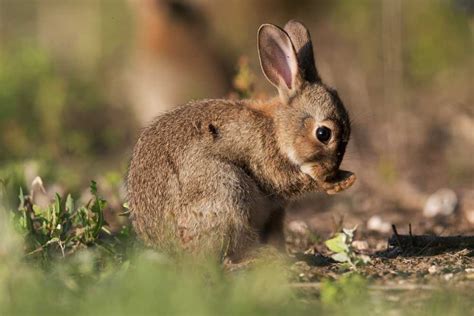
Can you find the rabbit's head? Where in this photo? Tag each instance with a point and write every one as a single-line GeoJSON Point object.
{"type": "Point", "coordinates": [312, 125]}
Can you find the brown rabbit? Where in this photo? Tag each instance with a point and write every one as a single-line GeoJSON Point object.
{"type": "Point", "coordinates": [212, 177]}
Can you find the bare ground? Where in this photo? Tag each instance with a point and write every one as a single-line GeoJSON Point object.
{"type": "Point", "coordinates": [393, 268]}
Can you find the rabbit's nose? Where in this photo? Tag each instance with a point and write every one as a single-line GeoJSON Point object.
{"type": "Point", "coordinates": [341, 148]}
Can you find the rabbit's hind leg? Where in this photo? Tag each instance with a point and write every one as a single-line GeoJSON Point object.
{"type": "Point", "coordinates": [216, 205]}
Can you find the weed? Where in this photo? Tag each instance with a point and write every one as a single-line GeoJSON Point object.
{"type": "Point", "coordinates": [341, 244]}
{"type": "Point", "coordinates": [62, 228]}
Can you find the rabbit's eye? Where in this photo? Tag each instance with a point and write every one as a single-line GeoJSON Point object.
{"type": "Point", "coordinates": [323, 134]}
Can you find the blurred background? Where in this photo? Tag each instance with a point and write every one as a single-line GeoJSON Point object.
{"type": "Point", "coordinates": [78, 79]}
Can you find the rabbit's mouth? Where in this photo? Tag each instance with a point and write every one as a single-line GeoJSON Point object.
{"type": "Point", "coordinates": [338, 181]}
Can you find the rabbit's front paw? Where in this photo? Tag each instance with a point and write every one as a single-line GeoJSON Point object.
{"type": "Point", "coordinates": [341, 181]}
{"type": "Point", "coordinates": [331, 185]}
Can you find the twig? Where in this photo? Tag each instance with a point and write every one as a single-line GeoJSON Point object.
{"type": "Point", "coordinates": [411, 235]}
{"type": "Point", "coordinates": [395, 233]}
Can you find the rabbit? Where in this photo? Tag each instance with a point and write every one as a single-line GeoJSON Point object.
{"type": "Point", "coordinates": [213, 177]}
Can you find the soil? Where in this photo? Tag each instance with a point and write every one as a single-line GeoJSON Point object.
{"type": "Point", "coordinates": [317, 218]}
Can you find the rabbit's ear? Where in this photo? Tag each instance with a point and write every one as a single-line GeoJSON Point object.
{"type": "Point", "coordinates": [301, 40]}
{"type": "Point", "coordinates": [278, 59]}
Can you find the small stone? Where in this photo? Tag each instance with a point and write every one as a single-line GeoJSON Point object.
{"type": "Point", "coordinates": [299, 234]}
{"type": "Point", "coordinates": [470, 216]}
{"type": "Point", "coordinates": [376, 223]}
{"type": "Point", "coordinates": [433, 269]}
{"type": "Point", "coordinates": [381, 245]}
{"type": "Point", "coordinates": [469, 273]}
{"type": "Point", "coordinates": [470, 276]}
{"type": "Point", "coordinates": [448, 276]}
{"type": "Point", "coordinates": [298, 228]}
{"type": "Point", "coordinates": [360, 245]}
{"type": "Point", "coordinates": [443, 202]}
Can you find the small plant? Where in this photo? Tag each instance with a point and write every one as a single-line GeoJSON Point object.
{"type": "Point", "coordinates": [61, 227]}
{"type": "Point", "coordinates": [341, 244]}
{"type": "Point", "coordinates": [244, 80]}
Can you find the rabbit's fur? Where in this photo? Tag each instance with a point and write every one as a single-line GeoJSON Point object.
{"type": "Point", "coordinates": [213, 176]}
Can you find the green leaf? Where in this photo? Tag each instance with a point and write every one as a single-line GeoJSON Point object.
{"type": "Point", "coordinates": [37, 210]}
{"type": "Point", "coordinates": [57, 201]}
{"type": "Point", "coordinates": [69, 204]}
{"type": "Point", "coordinates": [93, 187]}
{"type": "Point", "coordinates": [21, 196]}
{"type": "Point", "coordinates": [56, 211]}
{"type": "Point", "coordinates": [338, 243]}
{"type": "Point", "coordinates": [341, 257]}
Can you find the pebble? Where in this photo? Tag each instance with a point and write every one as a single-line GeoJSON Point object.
{"type": "Point", "coordinates": [470, 216]}
{"type": "Point", "coordinates": [448, 276]}
{"type": "Point", "coordinates": [299, 228]}
{"type": "Point", "coordinates": [376, 223]}
{"type": "Point", "coordinates": [433, 269]}
{"type": "Point", "coordinates": [443, 202]}
{"type": "Point", "coordinates": [470, 276]}
{"type": "Point", "coordinates": [360, 245]}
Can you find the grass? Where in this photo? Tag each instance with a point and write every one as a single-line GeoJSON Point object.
{"type": "Point", "coordinates": [62, 260]}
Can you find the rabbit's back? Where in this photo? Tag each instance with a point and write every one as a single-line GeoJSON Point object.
{"type": "Point", "coordinates": [191, 132]}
